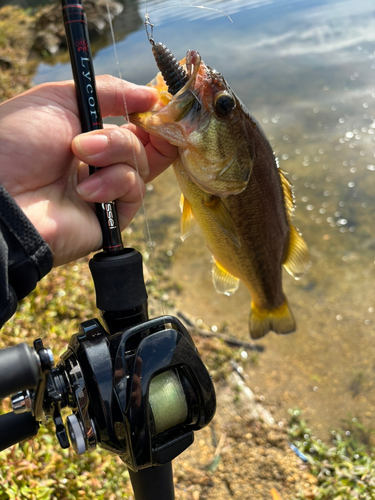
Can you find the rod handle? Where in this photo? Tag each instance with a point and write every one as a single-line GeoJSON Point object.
{"type": "Point", "coordinates": [16, 427]}
{"type": "Point", "coordinates": [19, 369]}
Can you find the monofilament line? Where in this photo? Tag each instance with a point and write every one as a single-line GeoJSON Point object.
{"type": "Point", "coordinates": [188, 5]}
{"type": "Point", "coordinates": [150, 243]}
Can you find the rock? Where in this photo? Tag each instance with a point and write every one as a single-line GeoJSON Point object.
{"type": "Point", "coordinates": [5, 62]}
{"type": "Point", "coordinates": [97, 15]}
{"type": "Point", "coordinates": [50, 31]}
{"type": "Point", "coordinates": [47, 42]}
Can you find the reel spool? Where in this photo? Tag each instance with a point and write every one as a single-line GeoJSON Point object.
{"type": "Point", "coordinates": [167, 401]}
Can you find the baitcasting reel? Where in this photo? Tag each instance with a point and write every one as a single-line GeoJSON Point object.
{"type": "Point", "coordinates": [139, 392]}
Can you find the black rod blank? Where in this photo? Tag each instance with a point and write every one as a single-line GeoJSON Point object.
{"type": "Point", "coordinates": [88, 105]}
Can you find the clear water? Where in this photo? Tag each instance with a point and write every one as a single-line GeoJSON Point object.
{"type": "Point", "coordinates": [306, 71]}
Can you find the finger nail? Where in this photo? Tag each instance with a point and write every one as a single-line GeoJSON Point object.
{"type": "Point", "coordinates": [89, 187]}
{"type": "Point", "coordinates": [91, 144]}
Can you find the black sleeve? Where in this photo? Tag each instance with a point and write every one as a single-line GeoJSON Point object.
{"type": "Point", "coordinates": [24, 256]}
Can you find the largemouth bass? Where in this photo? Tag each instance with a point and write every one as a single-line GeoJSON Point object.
{"type": "Point", "coordinates": [233, 188]}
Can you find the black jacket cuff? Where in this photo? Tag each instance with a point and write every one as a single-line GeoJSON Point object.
{"type": "Point", "coordinates": [24, 256]}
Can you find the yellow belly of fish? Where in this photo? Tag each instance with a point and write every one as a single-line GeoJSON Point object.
{"type": "Point", "coordinates": [231, 264]}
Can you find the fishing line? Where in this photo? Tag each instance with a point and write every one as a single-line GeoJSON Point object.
{"type": "Point", "coordinates": [147, 21]}
{"type": "Point", "coordinates": [149, 241]}
{"type": "Point", "coordinates": [187, 5]}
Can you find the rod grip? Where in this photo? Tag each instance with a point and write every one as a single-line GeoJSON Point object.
{"type": "Point", "coordinates": [16, 427]}
{"type": "Point", "coordinates": [19, 369]}
{"type": "Point", "coordinates": [119, 282]}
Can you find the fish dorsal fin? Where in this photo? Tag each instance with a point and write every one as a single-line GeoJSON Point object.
{"type": "Point", "coordinates": [223, 218]}
{"type": "Point", "coordinates": [223, 281]}
{"type": "Point", "coordinates": [297, 260]}
{"type": "Point", "coordinates": [288, 195]}
{"type": "Point", "coordinates": [187, 223]}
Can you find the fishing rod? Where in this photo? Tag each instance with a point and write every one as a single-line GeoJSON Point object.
{"type": "Point", "coordinates": [136, 386]}
{"type": "Point", "coordinates": [88, 105]}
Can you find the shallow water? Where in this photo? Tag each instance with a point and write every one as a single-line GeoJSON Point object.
{"type": "Point", "coordinates": [306, 71]}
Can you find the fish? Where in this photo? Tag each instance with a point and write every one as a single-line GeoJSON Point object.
{"type": "Point", "coordinates": [233, 189]}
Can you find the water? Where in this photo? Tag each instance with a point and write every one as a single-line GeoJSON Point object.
{"type": "Point", "coordinates": [306, 71]}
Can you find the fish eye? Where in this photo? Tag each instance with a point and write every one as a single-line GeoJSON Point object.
{"type": "Point", "coordinates": [224, 104]}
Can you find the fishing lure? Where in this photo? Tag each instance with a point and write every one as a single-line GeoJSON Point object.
{"type": "Point", "coordinates": [173, 73]}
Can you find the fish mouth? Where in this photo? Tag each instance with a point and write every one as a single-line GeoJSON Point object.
{"type": "Point", "coordinates": [187, 97]}
{"type": "Point", "coordinates": [172, 110]}
{"type": "Point", "coordinates": [193, 61]}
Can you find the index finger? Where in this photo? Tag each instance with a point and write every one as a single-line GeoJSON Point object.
{"type": "Point", "coordinates": [160, 153]}
{"type": "Point", "coordinates": [118, 97]}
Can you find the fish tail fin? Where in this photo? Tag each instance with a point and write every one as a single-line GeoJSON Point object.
{"type": "Point", "coordinates": [278, 320]}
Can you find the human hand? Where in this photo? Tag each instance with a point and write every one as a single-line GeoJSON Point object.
{"type": "Point", "coordinates": [41, 153]}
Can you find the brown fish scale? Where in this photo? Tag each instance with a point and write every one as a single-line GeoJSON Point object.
{"type": "Point", "coordinates": [260, 217]}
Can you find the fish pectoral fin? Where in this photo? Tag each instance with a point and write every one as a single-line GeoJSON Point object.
{"type": "Point", "coordinates": [223, 281]}
{"type": "Point", "coordinates": [187, 223]}
{"type": "Point", "coordinates": [278, 320]}
{"type": "Point", "coordinates": [297, 260]}
{"type": "Point", "coordinates": [223, 218]}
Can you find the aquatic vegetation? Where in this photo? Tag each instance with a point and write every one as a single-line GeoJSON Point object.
{"type": "Point", "coordinates": [345, 468]}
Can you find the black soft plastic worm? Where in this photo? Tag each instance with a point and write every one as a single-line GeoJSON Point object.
{"type": "Point", "coordinates": [173, 73]}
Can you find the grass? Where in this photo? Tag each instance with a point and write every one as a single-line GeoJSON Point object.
{"type": "Point", "coordinates": [345, 467]}
{"type": "Point", "coordinates": [38, 470]}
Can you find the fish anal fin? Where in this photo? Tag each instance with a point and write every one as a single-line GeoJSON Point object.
{"type": "Point", "coordinates": [297, 260]}
{"type": "Point", "coordinates": [187, 223]}
{"type": "Point", "coordinates": [223, 218]}
{"type": "Point", "coordinates": [278, 320]}
{"type": "Point", "coordinates": [223, 281]}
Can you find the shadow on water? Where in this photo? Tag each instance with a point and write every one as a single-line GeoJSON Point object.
{"type": "Point", "coordinates": [306, 71]}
